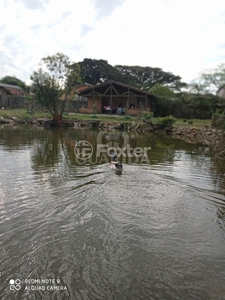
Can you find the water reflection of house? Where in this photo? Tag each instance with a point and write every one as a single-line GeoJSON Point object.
{"type": "Point", "coordinates": [114, 97]}
{"type": "Point", "coordinates": [11, 96]}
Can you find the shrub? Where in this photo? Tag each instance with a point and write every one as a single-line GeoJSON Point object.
{"type": "Point", "coordinates": [218, 121]}
{"type": "Point", "coordinates": [147, 117]}
{"type": "Point", "coordinates": [166, 121]}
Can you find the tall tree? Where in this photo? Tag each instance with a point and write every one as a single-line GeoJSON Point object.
{"type": "Point", "coordinates": [147, 77]}
{"type": "Point", "coordinates": [14, 81]}
{"type": "Point", "coordinates": [53, 83]}
{"type": "Point", "coordinates": [95, 71]}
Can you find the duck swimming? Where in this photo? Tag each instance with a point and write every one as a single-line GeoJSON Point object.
{"type": "Point", "coordinates": [117, 166]}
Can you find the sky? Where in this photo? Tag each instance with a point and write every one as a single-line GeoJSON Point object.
{"type": "Point", "coordinates": [184, 37]}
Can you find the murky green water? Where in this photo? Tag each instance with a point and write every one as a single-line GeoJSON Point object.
{"type": "Point", "coordinates": [70, 228]}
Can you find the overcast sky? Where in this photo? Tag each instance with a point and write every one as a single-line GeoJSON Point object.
{"type": "Point", "coordinates": [184, 37]}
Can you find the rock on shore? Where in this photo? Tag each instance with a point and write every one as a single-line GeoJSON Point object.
{"type": "Point", "coordinates": [132, 126]}
{"type": "Point", "coordinates": [205, 136]}
{"type": "Point", "coordinates": [14, 120]}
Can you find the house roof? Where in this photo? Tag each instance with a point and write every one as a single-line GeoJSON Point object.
{"type": "Point", "coordinates": [10, 86]}
{"type": "Point", "coordinates": [118, 89]}
{"type": "Point", "coordinates": [83, 85]}
{"type": "Point", "coordinates": [3, 88]}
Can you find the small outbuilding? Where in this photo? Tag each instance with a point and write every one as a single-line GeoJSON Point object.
{"type": "Point", "coordinates": [11, 96]}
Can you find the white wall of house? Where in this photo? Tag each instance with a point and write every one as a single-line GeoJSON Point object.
{"type": "Point", "coordinates": [221, 92]}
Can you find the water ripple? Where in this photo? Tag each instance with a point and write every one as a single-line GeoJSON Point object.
{"type": "Point", "coordinates": [153, 232]}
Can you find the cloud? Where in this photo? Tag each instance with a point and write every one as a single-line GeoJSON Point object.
{"type": "Point", "coordinates": [34, 4]}
{"type": "Point", "coordinates": [35, 27]}
{"type": "Point", "coordinates": [221, 46]}
{"type": "Point", "coordinates": [106, 8]}
{"type": "Point", "coordinates": [85, 29]}
{"type": "Point", "coordinates": [222, 13]}
{"type": "Point", "coordinates": [54, 24]}
{"type": "Point", "coordinates": [63, 16]}
{"type": "Point", "coordinates": [7, 64]}
{"type": "Point", "coordinates": [181, 37]}
{"type": "Point", "coordinates": [13, 44]}
{"type": "Point", "coordinates": [221, 58]}
{"type": "Point", "coordinates": [2, 28]}
{"type": "Point", "coordinates": [66, 14]}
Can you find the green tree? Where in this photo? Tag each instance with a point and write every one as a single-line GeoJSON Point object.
{"type": "Point", "coordinates": [166, 100]}
{"type": "Point", "coordinates": [52, 85]}
{"type": "Point", "coordinates": [14, 81]}
{"type": "Point", "coordinates": [94, 71]}
{"type": "Point", "coordinates": [147, 77]}
{"type": "Point", "coordinates": [162, 91]}
{"type": "Point", "coordinates": [211, 80]}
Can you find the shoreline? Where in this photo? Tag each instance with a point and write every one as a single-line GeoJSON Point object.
{"type": "Point", "coordinates": [207, 135]}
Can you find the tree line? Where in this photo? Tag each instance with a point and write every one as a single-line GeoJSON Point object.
{"type": "Point", "coordinates": [57, 76]}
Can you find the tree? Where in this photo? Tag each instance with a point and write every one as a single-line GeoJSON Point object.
{"type": "Point", "coordinates": [162, 91]}
{"type": "Point", "coordinates": [147, 77]}
{"type": "Point", "coordinates": [95, 71]}
{"type": "Point", "coordinates": [53, 83]}
{"type": "Point", "coordinates": [14, 81]}
{"type": "Point", "coordinates": [210, 81]}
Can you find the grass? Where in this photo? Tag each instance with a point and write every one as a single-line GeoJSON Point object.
{"type": "Point", "coordinates": [22, 113]}
{"type": "Point", "coordinates": [196, 123]}
{"type": "Point", "coordinates": [100, 117]}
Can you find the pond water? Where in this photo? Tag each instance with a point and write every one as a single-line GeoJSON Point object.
{"type": "Point", "coordinates": [71, 228]}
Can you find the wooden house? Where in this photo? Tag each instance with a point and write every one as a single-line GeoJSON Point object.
{"type": "Point", "coordinates": [115, 97]}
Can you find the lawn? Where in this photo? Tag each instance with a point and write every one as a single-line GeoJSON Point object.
{"type": "Point", "coordinates": [101, 117]}
{"type": "Point", "coordinates": [196, 123]}
{"type": "Point", "coordinates": [22, 113]}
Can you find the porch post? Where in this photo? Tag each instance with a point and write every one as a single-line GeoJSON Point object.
{"type": "Point", "coordinates": [110, 101]}
{"type": "Point", "coordinates": [128, 102]}
{"type": "Point", "coordinates": [94, 103]}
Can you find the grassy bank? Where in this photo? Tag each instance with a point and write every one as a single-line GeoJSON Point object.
{"type": "Point", "coordinates": [195, 123]}
{"type": "Point", "coordinates": [22, 113]}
